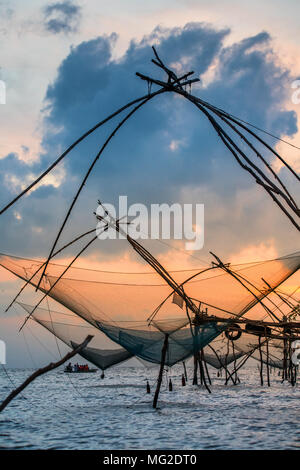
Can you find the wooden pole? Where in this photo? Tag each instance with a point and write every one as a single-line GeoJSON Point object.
{"type": "Point", "coordinates": [205, 366]}
{"type": "Point", "coordinates": [161, 370]}
{"type": "Point", "coordinates": [261, 362]}
{"type": "Point", "coordinates": [202, 374]}
{"type": "Point", "coordinates": [234, 363]}
{"type": "Point", "coordinates": [268, 366]}
{"type": "Point", "coordinates": [226, 359]}
{"type": "Point", "coordinates": [239, 366]}
{"type": "Point", "coordinates": [221, 364]}
{"type": "Point", "coordinates": [37, 373]}
{"type": "Point", "coordinates": [195, 378]}
{"type": "Point", "coordinates": [284, 371]}
{"type": "Point", "coordinates": [184, 368]}
{"type": "Point", "coordinates": [200, 369]}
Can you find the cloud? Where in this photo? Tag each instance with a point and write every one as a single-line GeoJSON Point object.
{"type": "Point", "coordinates": [62, 17]}
{"type": "Point", "coordinates": [6, 16]}
{"type": "Point", "coordinates": [6, 10]}
{"type": "Point", "coordinates": [167, 152]}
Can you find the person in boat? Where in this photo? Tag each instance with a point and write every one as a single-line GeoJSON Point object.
{"type": "Point", "coordinates": [69, 367]}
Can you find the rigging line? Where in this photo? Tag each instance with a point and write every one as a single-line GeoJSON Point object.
{"type": "Point", "coordinates": [40, 342]}
{"type": "Point", "coordinates": [123, 121]}
{"type": "Point", "coordinates": [27, 345]}
{"type": "Point", "coordinates": [260, 156]}
{"type": "Point", "coordinates": [151, 317]}
{"type": "Point", "coordinates": [289, 296]}
{"type": "Point", "coordinates": [26, 342]}
{"type": "Point", "coordinates": [257, 179]}
{"type": "Point", "coordinates": [143, 273]}
{"type": "Point", "coordinates": [50, 316]}
{"type": "Point", "coordinates": [74, 280]}
{"type": "Point", "coordinates": [258, 128]}
{"type": "Point", "coordinates": [237, 277]}
{"type": "Point", "coordinates": [35, 261]}
{"type": "Point", "coordinates": [74, 144]}
{"type": "Point", "coordinates": [27, 398]}
{"type": "Point", "coordinates": [9, 377]}
{"type": "Point", "coordinates": [28, 349]}
{"type": "Point", "coordinates": [61, 275]}
{"type": "Point", "coordinates": [54, 254]}
{"type": "Point", "coordinates": [251, 133]}
{"type": "Point", "coordinates": [46, 349]}
{"type": "Point", "coordinates": [266, 295]}
{"type": "Point", "coordinates": [90, 302]}
{"type": "Point", "coordinates": [287, 301]}
{"type": "Point", "coordinates": [189, 279]}
{"type": "Point", "coordinates": [57, 345]}
{"type": "Point", "coordinates": [58, 279]}
{"type": "Point", "coordinates": [275, 308]}
{"type": "Point", "coordinates": [195, 99]}
{"type": "Point", "coordinates": [11, 380]}
{"type": "Point", "coordinates": [182, 251]}
{"type": "Point", "coordinates": [235, 150]}
{"type": "Point", "coordinates": [59, 323]}
{"type": "Point", "coordinates": [146, 255]}
{"type": "Point", "coordinates": [278, 295]}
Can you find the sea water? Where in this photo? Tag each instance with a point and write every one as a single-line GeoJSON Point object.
{"type": "Point", "coordinates": [82, 411]}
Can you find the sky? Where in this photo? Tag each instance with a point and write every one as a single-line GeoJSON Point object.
{"type": "Point", "coordinates": [68, 64]}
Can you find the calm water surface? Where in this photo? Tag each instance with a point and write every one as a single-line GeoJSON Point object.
{"type": "Point", "coordinates": [62, 411]}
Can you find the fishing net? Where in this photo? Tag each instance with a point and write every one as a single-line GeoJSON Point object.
{"type": "Point", "coordinates": [271, 354]}
{"type": "Point", "coordinates": [147, 342]}
{"type": "Point", "coordinates": [120, 304]}
{"type": "Point", "coordinates": [73, 330]}
{"type": "Point", "coordinates": [229, 296]}
{"type": "Point", "coordinates": [220, 353]}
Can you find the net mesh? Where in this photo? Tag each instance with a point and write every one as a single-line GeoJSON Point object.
{"type": "Point", "coordinates": [120, 304]}
{"type": "Point", "coordinates": [72, 330]}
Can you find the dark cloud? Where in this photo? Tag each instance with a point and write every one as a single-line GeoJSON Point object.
{"type": "Point", "coordinates": [62, 17]}
{"type": "Point", "coordinates": [167, 152]}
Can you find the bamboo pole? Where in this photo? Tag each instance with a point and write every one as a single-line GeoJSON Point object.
{"type": "Point", "coordinates": [205, 367]}
{"type": "Point", "coordinates": [261, 361]}
{"type": "Point", "coordinates": [226, 369]}
{"type": "Point", "coordinates": [89, 171]}
{"type": "Point", "coordinates": [195, 378]}
{"type": "Point", "coordinates": [268, 366]}
{"type": "Point", "coordinates": [161, 370]}
{"type": "Point", "coordinates": [28, 281]}
{"type": "Point", "coordinates": [239, 366]}
{"type": "Point", "coordinates": [73, 145]}
{"type": "Point", "coordinates": [174, 84]}
{"type": "Point", "coordinates": [202, 374]}
{"type": "Point", "coordinates": [234, 363]}
{"type": "Point", "coordinates": [221, 364]}
{"type": "Point", "coordinates": [184, 368]}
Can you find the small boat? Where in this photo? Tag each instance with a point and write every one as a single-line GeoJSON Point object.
{"type": "Point", "coordinates": [80, 371]}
